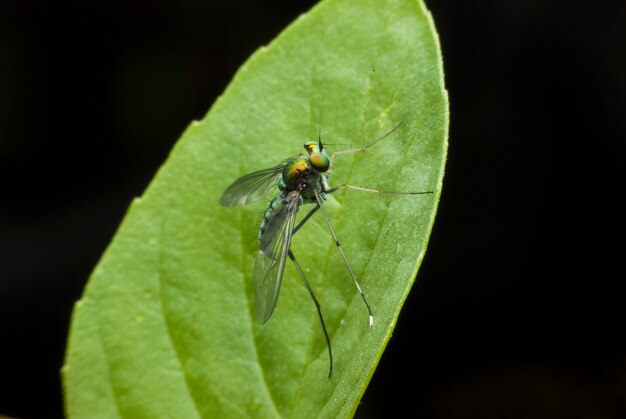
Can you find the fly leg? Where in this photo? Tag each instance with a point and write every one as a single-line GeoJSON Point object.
{"type": "Point", "coordinates": [304, 220]}
{"type": "Point", "coordinates": [343, 255]}
{"type": "Point", "coordinates": [317, 306]}
{"type": "Point", "coordinates": [379, 191]}
{"type": "Point", "coordinates": [365, 147]}
{"type": "Point", "coordinates": [310, 290]}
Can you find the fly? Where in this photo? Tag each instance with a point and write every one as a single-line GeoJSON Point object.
{"type": "Point", "coordinates": [301, 180]}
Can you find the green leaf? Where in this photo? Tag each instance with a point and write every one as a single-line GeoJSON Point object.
{"type": "Point", "coordinates": [166, 327]}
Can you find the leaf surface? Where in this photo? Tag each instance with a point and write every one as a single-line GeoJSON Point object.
{"type": "Point", "coordinates": [166, 327]}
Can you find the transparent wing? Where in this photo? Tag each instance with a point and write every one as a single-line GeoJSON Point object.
{"type": "Point", "coordinates": [269, 265]}
{"type": "Point", "coordinates": [252, 187]}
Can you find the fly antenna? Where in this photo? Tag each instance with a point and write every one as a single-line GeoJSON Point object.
{"type": "Point", "coordinates": [319, 125]}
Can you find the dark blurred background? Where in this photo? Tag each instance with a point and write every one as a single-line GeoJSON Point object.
{"type": "Point", "coordinates": [518, 311]}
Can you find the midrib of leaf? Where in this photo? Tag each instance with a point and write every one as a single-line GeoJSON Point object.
{"type": "Point", "coordinates": [251, 316]}
{"type": "Point", "coordinates": [166, 321]}
{"type": "Point", "coordinates": [261, 369]}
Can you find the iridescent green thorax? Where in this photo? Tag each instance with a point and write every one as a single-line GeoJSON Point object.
{"type": "Point", "coordinates": [295, 169]}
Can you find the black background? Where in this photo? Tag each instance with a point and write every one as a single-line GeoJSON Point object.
{"type": "Point", "coordinates": [518, 311]}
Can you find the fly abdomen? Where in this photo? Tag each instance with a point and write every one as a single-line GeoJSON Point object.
{"type": "Point", "coordinates": [266, 225]}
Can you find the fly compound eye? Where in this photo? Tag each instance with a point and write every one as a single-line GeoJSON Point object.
{"type": "Point", "coordinates": [320, 162]}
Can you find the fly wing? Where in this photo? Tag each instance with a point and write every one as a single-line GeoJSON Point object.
{"type": "Point", "coordinates": [251, 187]}
{"type": "Point", "coordinates": [269, 265]}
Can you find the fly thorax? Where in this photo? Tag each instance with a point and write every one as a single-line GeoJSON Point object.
{"type": "Point", "coordinates": [295, 172]}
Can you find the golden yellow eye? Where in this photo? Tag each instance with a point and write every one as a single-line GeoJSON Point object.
{"type": "Point", "coordinates": [311, 147]}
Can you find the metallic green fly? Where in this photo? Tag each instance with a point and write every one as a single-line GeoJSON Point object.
{"type": "Point", "coordinates": [301, 180]}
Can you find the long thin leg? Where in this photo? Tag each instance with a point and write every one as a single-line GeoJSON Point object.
{"type": "Point", "coordinates": [343, 256]}
{"type": "Point", "coordinates": [317, 306]}
{"type": "Point", "coordinates": [365, 147]}
{"type": "Point", "coordinates": [379, 191]}
{"type": "Point", "coordinates": [310, 290]}
{"type": "Point", "coordinates": [304, 220]}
